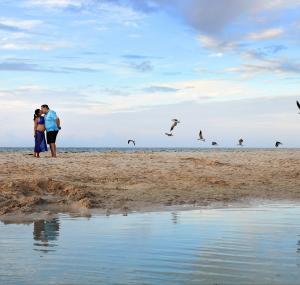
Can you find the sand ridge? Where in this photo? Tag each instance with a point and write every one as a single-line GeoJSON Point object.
{"type": "Point", "coordinates": [123, 181]}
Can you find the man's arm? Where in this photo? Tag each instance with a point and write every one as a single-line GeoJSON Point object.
{"type": "Point", "coordinates": [58, 122]}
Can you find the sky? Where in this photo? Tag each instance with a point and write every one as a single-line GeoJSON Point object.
{"type": "Point", "coordinates": [120, 69]}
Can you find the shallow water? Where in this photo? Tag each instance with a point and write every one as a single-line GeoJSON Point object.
{"type": "Point", "coordinates": [257, 245]}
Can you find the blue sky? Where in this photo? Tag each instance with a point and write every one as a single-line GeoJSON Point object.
{"type": "Point", "coordinates": [119, 69]}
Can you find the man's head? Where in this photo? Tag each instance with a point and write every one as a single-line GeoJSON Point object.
{"type": "Point", "coordinates": [44, 109]}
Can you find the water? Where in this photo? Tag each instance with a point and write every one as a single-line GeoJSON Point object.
{"type": "Point", "coordinates": [145, 149]}
{"type": "Point", "coordinates": [258, 245]}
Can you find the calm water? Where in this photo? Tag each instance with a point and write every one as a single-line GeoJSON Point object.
{"type": "Point", "coordinates": [213, 246]}
{"type": "Point", "coordinates": [133, 149]}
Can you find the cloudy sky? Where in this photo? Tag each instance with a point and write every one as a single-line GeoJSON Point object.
{"type": "Point", "coordinates": [119, 69]}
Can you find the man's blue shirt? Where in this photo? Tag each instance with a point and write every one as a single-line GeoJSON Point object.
{"type": "Point", "coordinates": [50, 121]}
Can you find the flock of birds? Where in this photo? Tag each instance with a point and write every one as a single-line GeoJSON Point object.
{"type": "Point", "coordinates": [175, 122]}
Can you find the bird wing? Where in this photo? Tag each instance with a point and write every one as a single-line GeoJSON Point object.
{"type": "Point", "coordinates": [298, 104]}
{"type": "Point", "coordinates": [173, 126]}
{"type": "Point", "coordinates": [200, 135]}
{"type": "Point", "coordinates": [128, 142]}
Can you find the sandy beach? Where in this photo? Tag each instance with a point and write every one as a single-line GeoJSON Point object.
{"type": "Point", "coordinates": [124, 182]}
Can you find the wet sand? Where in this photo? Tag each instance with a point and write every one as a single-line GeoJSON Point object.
{"type": "Point", "coordinates": [123, 182]}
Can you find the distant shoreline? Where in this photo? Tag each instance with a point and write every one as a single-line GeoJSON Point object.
{"type": "Point", "coordinates": [170, 149]}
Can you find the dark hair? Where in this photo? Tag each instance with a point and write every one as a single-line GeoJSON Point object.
{"type": "Point", "coordinates": [36, 114]}
{"type": "Point", "coordinates": [45, 106]}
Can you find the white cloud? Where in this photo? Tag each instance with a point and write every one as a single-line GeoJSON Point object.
{"type": "Point", "coordinates": [21, 24]}
{"type": "Point", "coordinates": [265, 34]}
{"type": "Point", "coordinates": [219, 54]}
{"type": "Point", "coordinates": [279, 4]}
{"type": "Point", "coordinates": [32, 46]}
{"type": "Point", "coordinates": [56, 3]}
{"type": "Point", "coordinates": [213, 43]}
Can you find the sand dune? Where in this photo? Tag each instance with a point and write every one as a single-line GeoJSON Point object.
{"type": "Point", "coordinates": [118, 181]}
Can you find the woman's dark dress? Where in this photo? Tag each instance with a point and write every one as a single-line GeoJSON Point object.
{"type": "Point", "coordinates": [39, 139]}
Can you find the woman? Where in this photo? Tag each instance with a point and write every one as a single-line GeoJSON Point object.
{"type": "Point", "coordinates": [39, 133]}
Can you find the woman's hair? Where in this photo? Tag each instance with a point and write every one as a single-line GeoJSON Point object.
{"type": "Point", "coordinates": [36, 114]}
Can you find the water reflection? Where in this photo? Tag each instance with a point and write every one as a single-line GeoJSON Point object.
{"type": "Point", "coordinates": [175, 217]}
{"type": "Point", "coordinates": [44, 233]}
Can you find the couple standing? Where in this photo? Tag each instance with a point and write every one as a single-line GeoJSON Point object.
{"type": "Point", "coordinates": [45, 120]}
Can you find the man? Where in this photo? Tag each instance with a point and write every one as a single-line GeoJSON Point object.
{"type": "Point", "coordinates": [52, 125]}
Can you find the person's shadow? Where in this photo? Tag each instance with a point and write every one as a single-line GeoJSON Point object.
{"type": "Point", "coordinates": [45, 233]}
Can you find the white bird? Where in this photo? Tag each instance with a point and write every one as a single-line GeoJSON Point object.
{"type": "Point", "coordinates": [131, 141]}
{"type": "Point", "coordinates": [175, 122]}
{"type": "Point", "coordinates": [201, 137]}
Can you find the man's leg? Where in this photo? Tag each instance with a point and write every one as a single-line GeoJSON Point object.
{"type": "Point", "coordinates": [53, 149]}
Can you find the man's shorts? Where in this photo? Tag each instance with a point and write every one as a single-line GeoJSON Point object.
{"type": "Point", "coordinates": [51, 136]}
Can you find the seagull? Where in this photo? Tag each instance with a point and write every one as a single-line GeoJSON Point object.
{"type": "Point", "coordinates": [169, 134]}
{"type": "Point", "coordinates": [131, 141]}
{"type": "Point", "coordinates": [175, 122]}
{"type": "Point", "coordinates": [214, 143]}
{"type": "Point", "coordinates": [240, 142]}
{"type": "Point", "coordinates": [277, 144]}
{"type": "Point", "coordinates": [298, 104]}
{"type": "Point", "coordinates": [201, 137]}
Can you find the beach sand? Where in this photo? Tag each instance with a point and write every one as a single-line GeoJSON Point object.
{"type": "Point", "coordinates": [137, 181]}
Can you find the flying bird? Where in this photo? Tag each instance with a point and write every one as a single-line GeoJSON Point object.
{"type": "Point", "coordinates": [240, 142]}
{"type": "Point", "coordinates": [214, 143]}
{"type": "Point", "coordinates": [175, 122]}
{"type": "Point", "coordinates": [169, 134]}
{"type": "Point", "coordinates": [131, 141]}
{"type": "Point", "coordinates": [277, 144]}
{"type": "Point", "coordinates": [201, 137]}
{"type": "Point", "coordinates": [298, 104]}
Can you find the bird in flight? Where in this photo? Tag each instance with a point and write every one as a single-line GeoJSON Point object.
{"type": "Point", "coordinates": [175, 122]}
{"type": "Point", "coordinates": [298, 104]}
{"type": "Point", "coordinates": [240, 142]}
{"type": "Point", "coordinates": [214, 143]}
{"type": "Point", "coordinates": [169, 134]}
{"type": "Point", "coordinates": [131, 141]}
{"type": "Point", "coordinates": [277, 144]}
{"type": "Point", "coordinates": [201, 137]}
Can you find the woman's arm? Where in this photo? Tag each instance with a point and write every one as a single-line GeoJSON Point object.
{"type": "Point", "coordinates": [35, 124]}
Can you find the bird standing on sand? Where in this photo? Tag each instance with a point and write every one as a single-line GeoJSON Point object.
{"type": "Point", "coordinates": [201, 137]}
{"type": "Point", "coordinates": [277, 144]}
{"type": "Point", "coordinates": [240, 142]}
{"type": "Point", "coordinates": [214, 143]}
{"type": "Point", "coordinates": [131, 141]}
{"type": "Point", "coordinates": [175, 122]}
{"type": "Point", "coordinates": [169, 134]}
{"type": "Point", "coordinates": [298, 104]}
